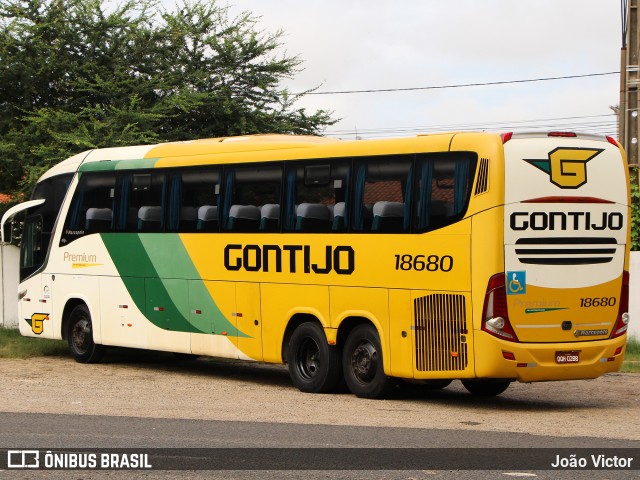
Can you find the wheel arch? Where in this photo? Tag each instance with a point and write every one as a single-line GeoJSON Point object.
{"type": "Point", "coordinates": [66, 313]}
{"type": "Point", "coordinates": [294, 322]}
{"type": "Point", "coordinates": [349, 323]}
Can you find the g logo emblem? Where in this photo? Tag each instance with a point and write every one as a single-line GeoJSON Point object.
{"type": "Point", "coordinates": [37, 322]}
{"type": "Point", "coordinates": [567, 167]}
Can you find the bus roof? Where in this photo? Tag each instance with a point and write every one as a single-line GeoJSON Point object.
{"type": "Point", "coordinates": [220, 150]}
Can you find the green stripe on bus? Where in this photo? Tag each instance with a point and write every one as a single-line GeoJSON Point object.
{"type": "Point", "coordinates": [110, 165]}
{"type": "Point", "coordinates": [169, 286]}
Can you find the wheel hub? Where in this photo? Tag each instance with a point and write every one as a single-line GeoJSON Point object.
{"type": "Point", "coordinates": [363, 362]}
{"type": "Point", "coordinates": [81, 332]}
{"type": "Point", "coordinates": [308, 359]}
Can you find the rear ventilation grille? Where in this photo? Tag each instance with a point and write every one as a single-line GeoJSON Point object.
{"type": "Point", "coordinates": [565, 250]}
{"type": "Point", "coordinates": [440, 333]}
{"type": "Point", "coordinates": [483, 176]}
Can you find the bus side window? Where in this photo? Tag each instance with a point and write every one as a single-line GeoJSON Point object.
{"type": "Point", "coordinates": [92, 207]}
{"type": "Point", "coordinates": [194, 201]}
{"type": "Point", "coordinates": [252, 198]}
{"type": "Point", "coordinates": [316, 196]}
{"type": "Point", "coordinates": [443, 186]}
{"type": "Point", "coordinates": [141, 205]}
{"type": "Point", "coordinates": [382, 190]}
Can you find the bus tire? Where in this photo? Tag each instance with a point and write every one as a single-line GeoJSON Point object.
{"type": "Point", "coordinates": [314, 365]}
{"type": "Point", "coordinates": [80, 337]}
{"type": "Point", "coordinates": [486, 388]}
{"type": "Point", "coordinates": [362, 364]}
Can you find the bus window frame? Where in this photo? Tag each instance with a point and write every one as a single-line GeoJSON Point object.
{"type": "Point", "coordinates": [27, 234]}
{"type": "Point", "coordinates": [410, 190]}
{"type": "Point", "coordinates": [450, 157]}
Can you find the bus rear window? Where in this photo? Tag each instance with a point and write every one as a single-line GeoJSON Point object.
{"type": "Point", "coordinates": [443, 186]}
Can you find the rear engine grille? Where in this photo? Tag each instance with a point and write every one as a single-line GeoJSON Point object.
{"type": "Point", "coordinates": [440, 332]}
{"type": "Point", "coordinates": [565, 250]}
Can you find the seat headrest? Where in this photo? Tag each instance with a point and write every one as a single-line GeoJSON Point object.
{"type": "Point", "coordinates": [150, 213]}
{"type": "Point", "coordinates": [313, 210]}
{"type": "Point", "coordinates": [270, 210]}
{"type": "Point", "coordinates": [388, 209]}
{"type": "Point", "coordinates": [206, 213]}
{"type": "Point", "coordinates": [248, 212]}
{"type": "Point", "coordinates": [99, 214]}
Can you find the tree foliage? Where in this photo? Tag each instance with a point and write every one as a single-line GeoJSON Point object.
{"type": "Point", "coordinates": [76, 76]}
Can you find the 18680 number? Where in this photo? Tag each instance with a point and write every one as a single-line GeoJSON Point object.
{"type": "Point", "coordinates": [430, 263]}
{"type": "Point", "coordinates": [598, 302]}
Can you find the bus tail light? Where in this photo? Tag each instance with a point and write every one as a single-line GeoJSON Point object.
{"type": "Point", "coordinates": [562, 134]}
{"type": "Point", "coordinates": [613, 141]}
{"type": "Point", "coordinates": [495, 317]}
{"type": "Point", "coordinates": [622, 322]}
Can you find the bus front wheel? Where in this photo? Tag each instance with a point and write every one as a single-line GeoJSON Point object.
{"type": "Point", "coordinates": [314, 365]}
{"type": "Point", "coordinates": [486, 388]}
{"type": "Point", "coordinates": [80, 337]}
{"type": "Point", "coordinates": [362, 364]}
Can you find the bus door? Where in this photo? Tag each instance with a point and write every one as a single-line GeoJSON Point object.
{"type": "Point", "coordinates": [35, 293]}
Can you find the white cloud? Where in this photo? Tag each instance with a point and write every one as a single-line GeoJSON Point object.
{"type": "Point", "coordinates": [373, 44]}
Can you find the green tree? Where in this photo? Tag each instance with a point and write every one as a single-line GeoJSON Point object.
{"type": "Point", "coordinates": [76, 76]}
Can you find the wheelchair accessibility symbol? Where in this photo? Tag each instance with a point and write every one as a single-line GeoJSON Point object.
{"type": "Point", "coordinates": [516, 283]}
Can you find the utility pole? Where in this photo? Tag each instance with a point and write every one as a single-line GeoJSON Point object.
{"type": "Point", "coordinates": [628, 122]}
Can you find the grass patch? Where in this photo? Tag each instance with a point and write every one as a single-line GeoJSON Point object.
{"type": "Point", "coordinates": [14, 345]}
{"type": "Point", "coordinates": [632, 356]}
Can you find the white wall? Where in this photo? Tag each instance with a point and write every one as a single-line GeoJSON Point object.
{"type": "Point", "coordinates": [9, 264]}
{"type": "Point", "coordinates": [634, 295]}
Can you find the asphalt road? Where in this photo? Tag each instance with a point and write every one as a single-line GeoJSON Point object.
{"type": "Point", "coordinates": [132, 403]}
{"type": "Point", "coordinates": [166, 438]}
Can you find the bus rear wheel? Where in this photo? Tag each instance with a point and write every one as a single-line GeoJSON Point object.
{"type": "Point", "coordinates": [486, 388]}
{"type": "Point", "coordinates": [314, 365]}
{"type": "Point", "coordinates": [80, 337]}
{"type": "Point", "coordinates": [362, 364]}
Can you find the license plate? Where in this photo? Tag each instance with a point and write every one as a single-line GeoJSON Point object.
{"type": "Point", "coordinates": [567, 357]}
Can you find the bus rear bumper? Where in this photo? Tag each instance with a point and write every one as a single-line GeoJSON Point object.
{"type": "Point", "coordinates": [537, 362]}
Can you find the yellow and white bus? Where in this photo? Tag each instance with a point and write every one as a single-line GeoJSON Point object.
{"type": "Point", "coordinates": [474, 256]}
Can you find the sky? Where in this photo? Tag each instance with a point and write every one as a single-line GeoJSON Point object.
{"type": "Point", "coordinates": [350, 45]}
